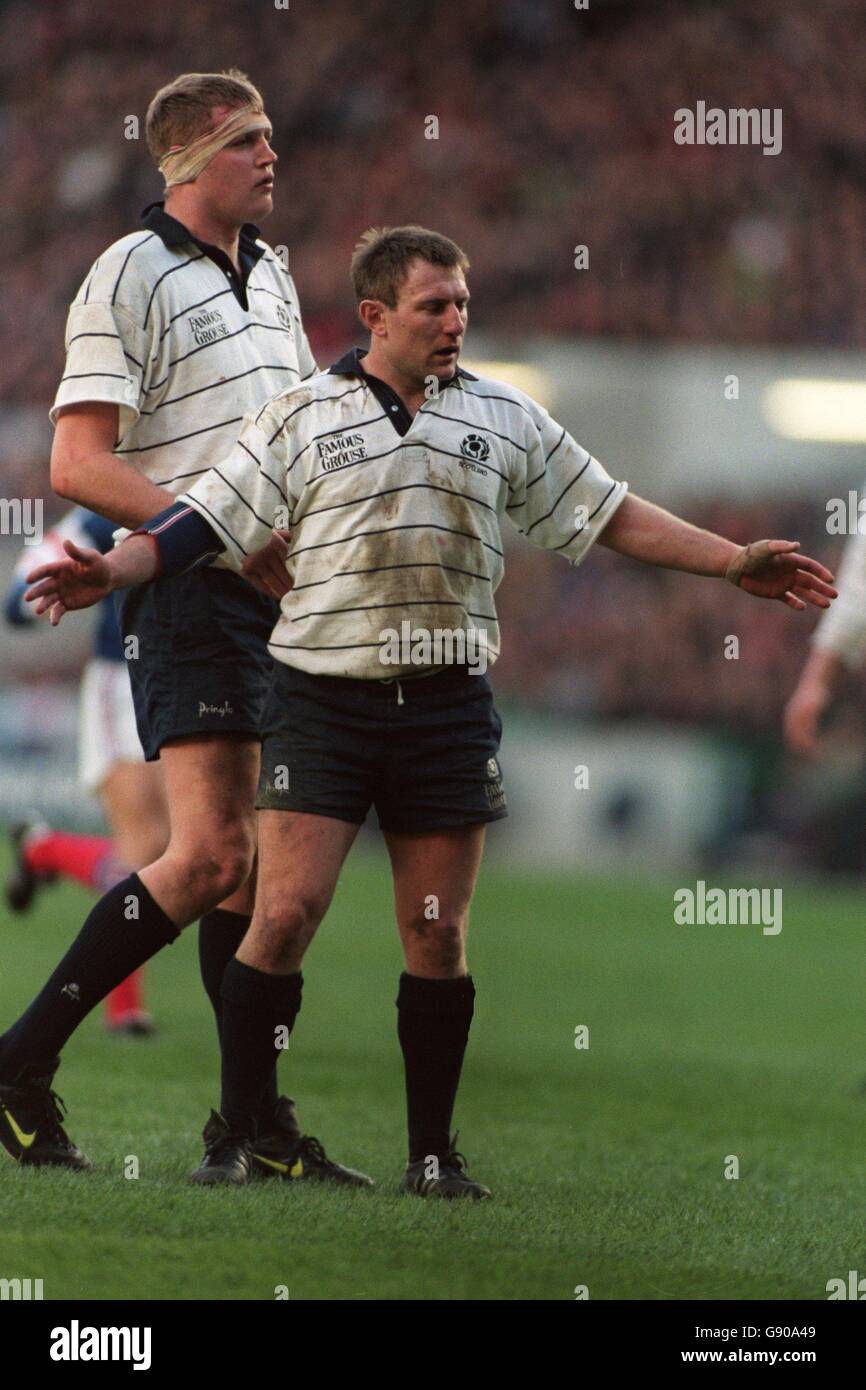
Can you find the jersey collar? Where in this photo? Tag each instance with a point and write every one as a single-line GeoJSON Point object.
{"type": "Point", "coordinates": [350, 365]}
{"type": "Point", "coordinates": [392, 404]}
{"type": "Point", "coordinates": [174, 233]}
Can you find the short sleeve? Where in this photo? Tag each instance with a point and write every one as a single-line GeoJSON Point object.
{"type": "Point", "coordinates": [562, 498]}
{"type": "Point", "coordinates": [244, 496]}
{"type": "Point", "coordinates": [106, 361]}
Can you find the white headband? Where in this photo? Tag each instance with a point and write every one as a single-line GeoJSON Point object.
{"type": "Point", "coordinates": [183, 163]}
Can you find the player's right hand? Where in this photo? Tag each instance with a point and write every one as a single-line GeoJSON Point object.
{"type": "Point", "coordinates": [266, 569]}
{"type": "Point", "coordinates": [64, 585]}
{"type": "Point", "coordinates": [802, 718]}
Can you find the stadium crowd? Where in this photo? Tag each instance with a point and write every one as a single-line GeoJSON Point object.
{"type": "Point", "coordinates": [555, 130]}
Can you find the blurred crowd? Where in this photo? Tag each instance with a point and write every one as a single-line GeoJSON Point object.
{"type": "Point", "coordinates": [555, 129]}
{"type": "Point", "coordinates": [619, 640]}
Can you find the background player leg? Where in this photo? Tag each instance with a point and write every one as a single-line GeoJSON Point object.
{"type": "Point", "coordinates": [134, 801]}
{"type": "Point", "coordinates": [210, 783]}
{"type": "Point", "coordinates": [434, 879]}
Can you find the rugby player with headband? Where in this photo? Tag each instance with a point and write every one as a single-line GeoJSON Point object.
{"type": "Point", "coordinates": [178, 331]}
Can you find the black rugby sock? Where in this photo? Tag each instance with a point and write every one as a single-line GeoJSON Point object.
{"type": "Point", "coordinates": [219, 936]}
{"type": "Point", "coordinates": [123, 930]}
{"type": "Point", "coordinates": [434, 1017]}
{"type": "Point", "coordinates": [255, 1005]}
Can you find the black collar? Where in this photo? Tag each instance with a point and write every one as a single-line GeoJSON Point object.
{"type": "Point", "coordinates": [174, 233]}
{"type": "Point", "coordinates": [391, 403]}
{"type": "Point", "coordinates": [350, 365]}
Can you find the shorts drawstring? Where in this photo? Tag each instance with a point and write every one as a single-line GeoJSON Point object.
{"type": "Point", "coordinates": [392, 680]}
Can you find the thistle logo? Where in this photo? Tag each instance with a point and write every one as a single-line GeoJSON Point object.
{"type": "Point", "coordinates": [475, 447]}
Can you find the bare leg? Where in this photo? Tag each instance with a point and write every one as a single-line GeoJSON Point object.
{"type": "Point", "coordinates": [210, 783]}
{"type": "Point", "coordinates": [134, 800]}
{"type": "Point", "coordinates": [434, 879]}
{"type": "Point", "coordinates": [300, 857]}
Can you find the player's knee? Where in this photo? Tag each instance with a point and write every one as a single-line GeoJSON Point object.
{"type": "Point", "coordinates": [285, 926]}
{"type": "Point", "coordinates": [295, 918]}
{"type": "Point", "coordinates": [216, 870]}
{"type": "Point", "coordinates": [439, 942]}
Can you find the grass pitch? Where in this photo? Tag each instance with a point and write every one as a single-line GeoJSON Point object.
{"type": "Point", "coordinates": [607, 1163]}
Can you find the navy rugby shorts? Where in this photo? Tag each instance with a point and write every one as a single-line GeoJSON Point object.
{"type": "Point", "coordinates": [199, 663]}
{"type": "Point", "coordinates": [423, 750]}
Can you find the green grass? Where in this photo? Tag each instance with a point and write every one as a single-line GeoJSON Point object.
{"type": "Point", "coordinates": [607, 1165]}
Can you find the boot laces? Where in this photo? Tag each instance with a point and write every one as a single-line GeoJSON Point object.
{"type": "Point", "coordinates": [47, 1108]}
{"type": "Point", "coordinates": [455, 1159]}
{"type": "Point", "coordinates": [312, 1149]}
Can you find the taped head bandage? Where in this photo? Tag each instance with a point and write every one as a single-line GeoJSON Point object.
{"type": "Point", "coordinates": [183, 163]}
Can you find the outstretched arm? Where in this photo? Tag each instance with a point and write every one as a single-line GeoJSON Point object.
{"type": "Point", "coordinates": [176, 540]}
{"type": "Point", "coordinates": [86, 577]}
{"type": "Point", "coordinates": [767, 569]}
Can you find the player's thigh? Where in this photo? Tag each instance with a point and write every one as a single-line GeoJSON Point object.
{"type": "Point", "coordinates": [299, 861]}
{"type": "Point", "coordinates": [435, 871]}
{"type": "Point", "coordinates": [210, 784]}
{"type": "Point", "coordinates": [133, 798]}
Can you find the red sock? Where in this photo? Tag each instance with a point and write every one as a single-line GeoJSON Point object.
{"type": "Point", "coordinates": [81, 857]}
{"type": "Point", "coordinates": [125, 999]}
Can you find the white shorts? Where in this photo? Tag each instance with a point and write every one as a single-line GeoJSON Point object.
{"type": "Point", "coordinates": [106, 722]}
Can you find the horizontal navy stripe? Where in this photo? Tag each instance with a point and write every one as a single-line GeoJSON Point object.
{"type": "Point", "coordinates": [393, 531]}
{"type": "Point", "coordinates": [401, 603]}
{"type": "Point", "coordinates": [380, 569]}
{"type": "Point", "coordinates": [164, 443]}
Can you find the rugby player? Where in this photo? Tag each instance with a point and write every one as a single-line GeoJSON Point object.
{"type": "Point", "coordinates": [838, 646]}
{"type": "Point", "coordinates": [111, 767]}
{"type": "Point", "coordinates": [393, 470]}
{"type": "Point", "coordinates": [177, 331]}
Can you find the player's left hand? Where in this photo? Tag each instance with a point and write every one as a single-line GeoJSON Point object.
{"type": "Point", "coordinates": [775, 569]}
{"type": "Point", "coordinates": [266, 568]}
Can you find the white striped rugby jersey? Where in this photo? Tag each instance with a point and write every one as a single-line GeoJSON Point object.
{"type": "Point", "coordinates": [842, 628]}
{"type": "Point", "coordinates": [157, 330]}
{"type": "Point", "coordinates": [388, 528]}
